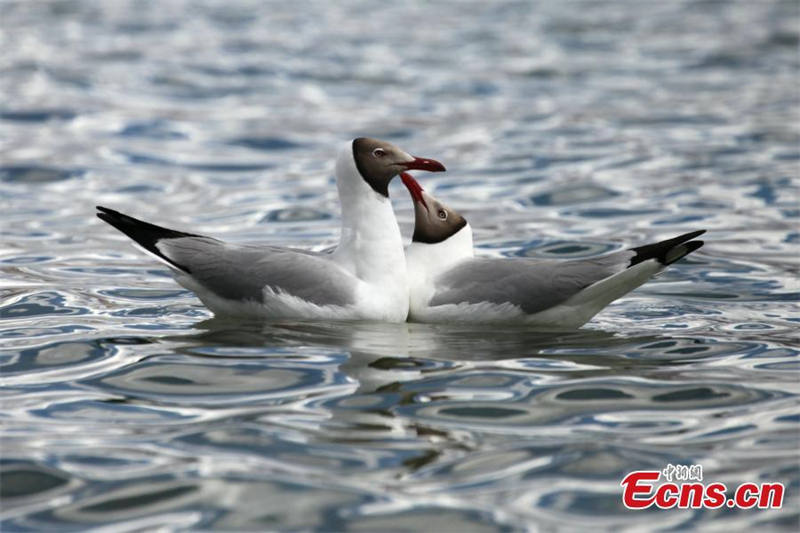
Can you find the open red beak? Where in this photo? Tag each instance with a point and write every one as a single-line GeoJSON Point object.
{"type": "Point", "coordinates": [413, 187]}
{"type": "Point", "coordinates": [431, 165]}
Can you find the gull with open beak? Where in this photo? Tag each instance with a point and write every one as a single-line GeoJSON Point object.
{"type": "Point", "coordinates": [363, 278]}
{"type": "Point", "coordinates": [447, 283]}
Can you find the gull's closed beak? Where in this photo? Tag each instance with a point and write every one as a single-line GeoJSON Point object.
{"type": "Point", "coordinates": [419, 163]}
{"type": "Point", "coordinates": [413, 187]}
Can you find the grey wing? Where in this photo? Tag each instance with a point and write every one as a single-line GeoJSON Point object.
{"type": "Point", "coordinates": [529, 284]}
{"type": "Point", "coordinates": [241, 272]}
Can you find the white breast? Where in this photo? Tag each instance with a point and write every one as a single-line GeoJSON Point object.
{"type": "Point", "coordinates": [426, 262]}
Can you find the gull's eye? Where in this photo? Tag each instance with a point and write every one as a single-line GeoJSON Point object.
{"type": "Point", "coordinates": [442, 214]}
{"type": "Point", "coordinates": [379, 152]}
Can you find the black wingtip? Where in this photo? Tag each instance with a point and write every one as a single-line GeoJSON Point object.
{"type": "Point", "coordinates": [105, 214]}
{"type": "Point", "coordinates": [143, 233]}
{"type": "Point", "coordinates": [669, 251]}
{"type": "Point", "coordinates": [694, 245]}
{"type": "Point", "coordinates": [691, 235]}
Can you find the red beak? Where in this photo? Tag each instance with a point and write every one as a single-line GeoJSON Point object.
{"type": "Point", "coordinates": [413, 187]}
{"type": "Point", "coordinates": [431, 165]}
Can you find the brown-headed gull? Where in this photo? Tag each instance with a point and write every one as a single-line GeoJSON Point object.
{"type": "Point", "coordinates": [447, 283]}
{"type": "Point", "coordinates": [363, 278]}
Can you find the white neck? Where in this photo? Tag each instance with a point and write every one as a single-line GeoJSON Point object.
{"type": "Point", "coordinates": [371, 246]}
{"type": "Point", "coordinates": [427, 261]}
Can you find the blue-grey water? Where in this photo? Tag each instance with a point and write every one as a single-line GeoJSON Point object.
{"type": "Point", "coordinates": [569, 129]}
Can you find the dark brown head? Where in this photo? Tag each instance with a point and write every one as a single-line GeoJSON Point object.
{"type": "Point", "coordinates": [380, 161]}
{"type": "Point", "coordinates": [434, 222]}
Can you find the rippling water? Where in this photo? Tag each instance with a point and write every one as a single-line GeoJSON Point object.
{"type": "Point", "coordinates": [569, 129]}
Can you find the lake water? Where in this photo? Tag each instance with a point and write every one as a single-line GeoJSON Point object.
{"type": "Point", "coordinates": [569, 129]}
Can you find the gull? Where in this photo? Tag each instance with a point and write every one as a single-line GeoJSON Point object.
{"type": "Point", "coordinates": [363, 278]}
{"type": "Point", "coordinates": [447, 283]}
